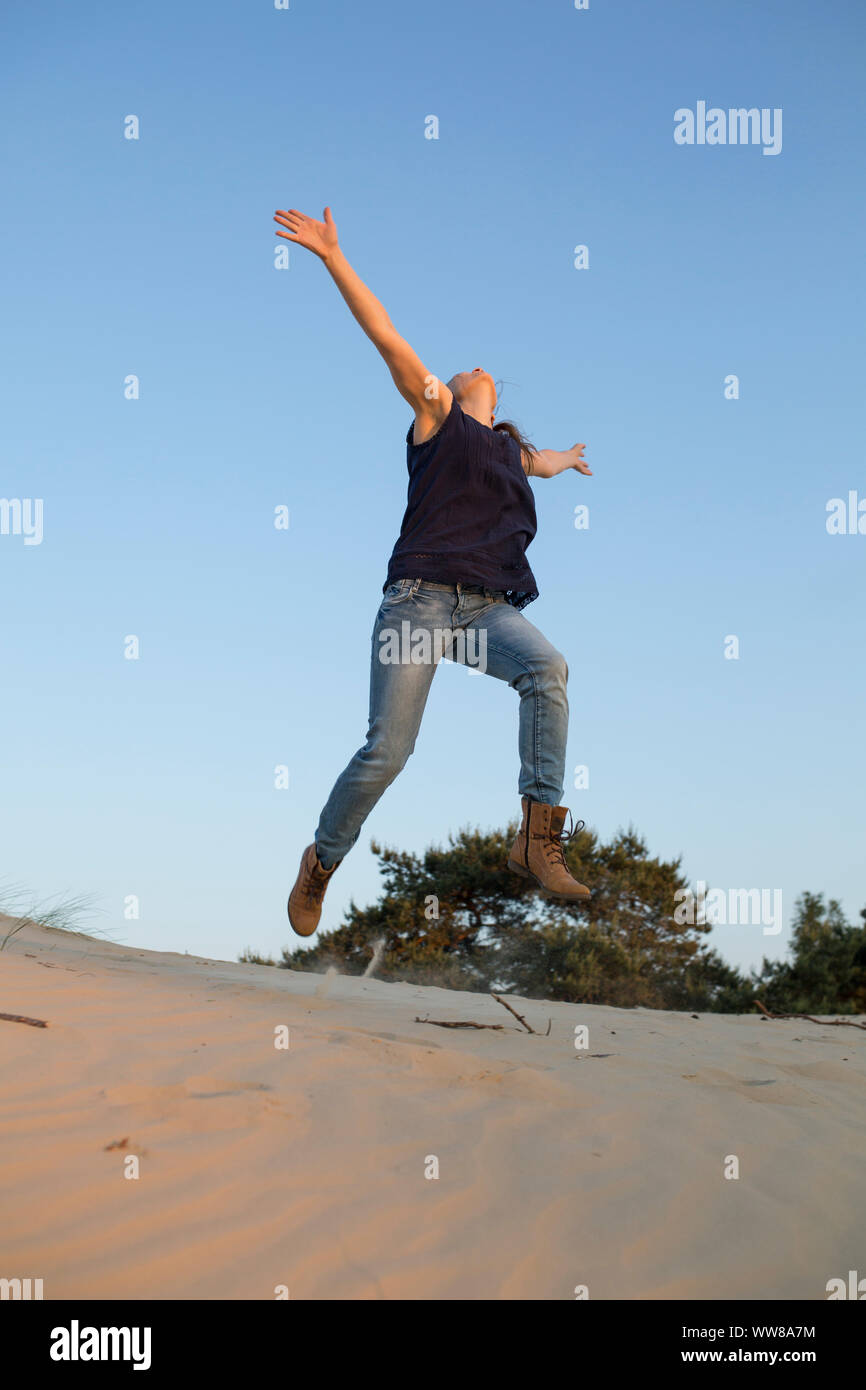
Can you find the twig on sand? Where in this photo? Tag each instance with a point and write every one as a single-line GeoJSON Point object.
{"type": "Point", "coordinates": [441, 1023]}
{"type": "Point", "coordinates": [822, 1022]}
{"type": "Point", "coordinates": [520, 1018]}
{"type": "Point", "coordinates": [20, 1018]}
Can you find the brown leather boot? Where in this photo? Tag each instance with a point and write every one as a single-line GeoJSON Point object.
{"type": "Point", "coordinates": [305, 899]}
{"type": "Point", "coordinates": [538, 850]}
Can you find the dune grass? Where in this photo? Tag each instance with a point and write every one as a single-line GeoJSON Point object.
{"type": "Point", "coordinates": [65, 913]}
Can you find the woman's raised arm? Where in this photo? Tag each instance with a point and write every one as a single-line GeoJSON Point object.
{"type": "Point", "coordinates": [429, 397]}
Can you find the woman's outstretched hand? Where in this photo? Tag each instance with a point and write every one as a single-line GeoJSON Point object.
{"type": "Point", "coordinates": [318, 237]}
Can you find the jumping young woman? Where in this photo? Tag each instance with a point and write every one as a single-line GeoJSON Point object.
{"type": "Point", "coordinates": [459, 569]}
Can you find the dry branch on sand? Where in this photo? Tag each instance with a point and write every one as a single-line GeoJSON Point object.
{"type": "Point", "coordinates": [443, 1023]}
{"type": "Point", "coordinates": [520, 1017]}
{"type": "Point", "coordinates": [498, 1027]}
{"type": "Point", "coordinates": [823, 1022]}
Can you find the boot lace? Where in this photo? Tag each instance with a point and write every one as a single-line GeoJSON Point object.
{"type": "Point", "coordinates": [314, 886]}
{"type": "Point", "coordinates": [554, 846]}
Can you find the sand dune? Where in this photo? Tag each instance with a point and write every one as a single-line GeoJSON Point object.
{"type": "Point", "coordinates": [262, 1167]}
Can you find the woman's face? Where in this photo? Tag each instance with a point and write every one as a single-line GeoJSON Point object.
{"type": "Point", "coordinates": [477, 385]}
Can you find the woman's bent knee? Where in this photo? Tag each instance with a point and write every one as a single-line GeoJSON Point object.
{"type": "Point", "coordinates": [384, 762]}
{"type": "Point", "coordinates": [554, 669]}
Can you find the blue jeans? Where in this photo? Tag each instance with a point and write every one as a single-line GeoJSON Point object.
{"type": "Point", "coordinates": [418, 622]}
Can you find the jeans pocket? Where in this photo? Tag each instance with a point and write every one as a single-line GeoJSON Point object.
{"type": "Point", "coordinates": [397, 593]}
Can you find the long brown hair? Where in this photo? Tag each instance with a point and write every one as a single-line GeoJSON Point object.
{"type": "Point", "coordinates": [527, 449]}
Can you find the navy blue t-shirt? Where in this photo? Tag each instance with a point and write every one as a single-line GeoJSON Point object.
{"type": "Point", "coordinates": [470, 513]}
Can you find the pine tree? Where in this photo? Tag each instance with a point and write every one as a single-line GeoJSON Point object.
{"type": "Point", "coordinates": [827, 969]}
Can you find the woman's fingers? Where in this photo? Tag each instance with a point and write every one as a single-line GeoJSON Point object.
{"type": "Point", "coordinates": [580, 464]}
{"type": "Point", "coordinates": [290, 235]}
{"type": "Point", "coordinates": [303, 229]}
{"type": "Point", "coordinates": [306, 231]}
{"type": "Point", "coordinates": [579, 461]}
{"type": "Point", "coordinates": [293, 221]}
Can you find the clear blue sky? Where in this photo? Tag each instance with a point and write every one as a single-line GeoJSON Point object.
{"type": "Point", "coordinates": [707, 516]}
